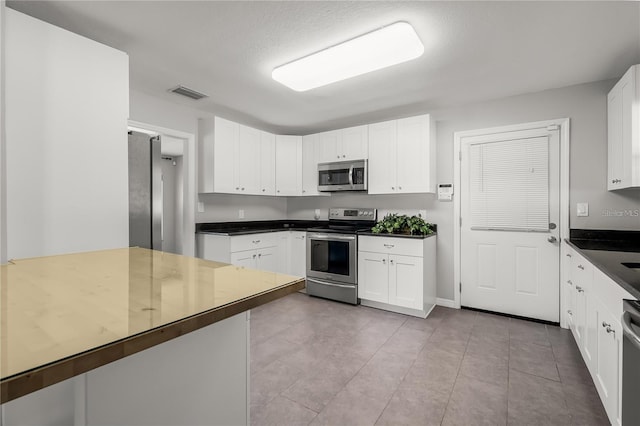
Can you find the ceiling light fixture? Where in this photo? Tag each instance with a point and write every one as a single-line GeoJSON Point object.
{"type": "Point", "coordinates": [391, 45]}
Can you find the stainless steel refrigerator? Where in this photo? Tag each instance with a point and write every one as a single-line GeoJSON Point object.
{"type": "Point", "coordinates": [145, 191]}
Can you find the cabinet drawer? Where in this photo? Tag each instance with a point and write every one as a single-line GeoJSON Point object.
{"type": "Point", "coordinates": [253, 241]}
{"type": "Point", "coordinates": [391, 245]}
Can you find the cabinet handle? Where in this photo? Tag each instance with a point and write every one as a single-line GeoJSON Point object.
{"type": "Point", "coordinates": [260, 255]}
{"type": "Point", "coordinates": [278, 191]}
{"type": "Point", "coordinates": [391, 261]}
{"type": "Point", "coordinates": [384, 260]}
{"type": "Point", "coordinates": [568, 254]}
{"type": "Point", "coordinates": [610, 330]}
{"type": "Point", "coordinates": [254, 256]}
{"type": "Point", "coordinates": [243, 189]}
{"type": "Point", "coordinates": [304, 190]}
{"type": "Point", "coordinates": [343, 156]}
{"type": "Point", "coordinates": [237, 188]}
{"type": "Point", "coordinates": [581, 267]}
{"type": "Point", "coordinates": [580, 289]}
{"type": "Point", "coordinates": [303, 237]}
{"type": "Point", "coordinates": [256, 241]}
{"type": "Point", "coordinates": [569, 312]}
{"type": "Point", "coordinates": [569, 282]}
{"type": "Point", "coordinates": [605, 324]}
{"type": "Point", "coordinates": [389, 245]}
{"type": "Point", "coordinates": [399, 188]}
{"type": "Point", "coordinates": [337, 156]}
{"type": "Point", "coordinates": [616, 181]}
{"type": "Point", "coordinates": [262, 189]}
{"type": "Point", "coordinates": [393, 188]}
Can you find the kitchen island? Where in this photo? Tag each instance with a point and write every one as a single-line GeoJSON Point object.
{"type": "Point", "coordinates": [128, 336]}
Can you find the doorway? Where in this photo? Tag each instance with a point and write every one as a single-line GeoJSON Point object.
{"type": "Point", "coordinates": [178, 186]}
{"type": "Point", "coordinates": [512, 214]}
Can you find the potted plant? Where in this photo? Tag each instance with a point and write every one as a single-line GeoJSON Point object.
{"type": "Point", "coordinates": [403, 224]}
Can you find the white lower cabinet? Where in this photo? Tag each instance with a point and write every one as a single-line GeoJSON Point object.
{"type": "Point", "coordinates": [593, 307]}
{"type": "Point", "coordinates": [397, 274]}
{"type": "Point", "coordinates": [255, 251]}
{"type": "Point", "coordinates": [297, 259]}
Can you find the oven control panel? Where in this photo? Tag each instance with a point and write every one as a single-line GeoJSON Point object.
{"type": "Point", "coordinates": [352, 214]}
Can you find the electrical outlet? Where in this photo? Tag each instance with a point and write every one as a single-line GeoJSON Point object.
{"type": "Point", "coordinates": [200, 207]}
{"type": "Point", "coordinates": [582, 209]}
{"type": "Point", "coordinates": [422, 214]}
{"type": "Point", "coordinates": [240, 214]}
{"type": "Point", "coordinates": [316, 214]}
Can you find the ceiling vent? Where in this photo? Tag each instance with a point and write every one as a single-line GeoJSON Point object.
{"type": "Point", "coordinates": [189, 93]}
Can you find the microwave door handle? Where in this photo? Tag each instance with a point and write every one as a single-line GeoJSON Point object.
{"type": "Point", "coordinates": [351, 175]}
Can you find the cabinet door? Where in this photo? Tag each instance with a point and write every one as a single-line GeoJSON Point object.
{"type": "Point", "coordinates": [310, 155]}
{"type": "Point", "coordinates": [267, 163]}
{"type": "Point", "coordinates": [373, 273]}
{"type": "Point", "coordinates": [382, 157]}
{"type": "Point", "coordinates": [413, 155]}
{"type": "Point", "coordinates": [567, 286]}
{"type": "Point", "coordinates": [298, 254]}
{"type": "Point", "coordinates": [593, 321]}
{"type": "Point", "coordinates": [225, 154]}
{"type": "Point", "coordinates": [267, 259]}
{"type": "Point", "coordinates": [288, 165]}
{"type": "Point", "coordinates": [244, 259]}
{"type": "Point", "coordinates": [249, 161]}
{"type": "Point", "coordinates": [405, 281]}
{"type": "Point", "coordinates": [582, 276]}
{"type": "Point", "coordinates": [329, 146]}
{"type": "Point", "coordinates": [608, 373]}
{"type": "Point", "coordinates": [354, 143]}
{"type": "Point", "coordinates": [615, 127]}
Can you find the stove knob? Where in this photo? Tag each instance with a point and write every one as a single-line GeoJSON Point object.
{"type": "Point", "coordinates": [360, 213]}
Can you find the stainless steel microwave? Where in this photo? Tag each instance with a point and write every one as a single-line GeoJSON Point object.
{"type": "Point", "coordinates": [342, 176]}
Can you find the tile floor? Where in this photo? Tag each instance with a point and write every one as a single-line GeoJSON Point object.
{"type": "Point", "coordinates": [315, 361]}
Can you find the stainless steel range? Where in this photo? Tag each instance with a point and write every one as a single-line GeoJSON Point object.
{"type": "Point", "coordinates": [332, 254]}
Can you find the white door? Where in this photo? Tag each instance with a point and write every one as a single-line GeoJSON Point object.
{"type": "Point", "coordinates": [405, 281]}
{"type": "Point", "coordinates": [268, 259]}
{"type": "Point", "coordinates": [329, 146]}
{"type": "Point", "coordinates": [353, 143]}
{"type": "Point", "coordinates": [248, 161]}
{"type": "Point", "coordinates": [288, 165]}
{"type": "Point", "coordinates": [373, 277]}
{"type": "Point", "coordinates": [310, 155]}
{"type": "Point", "coordinates": [267, 163]}
{"type": "Point", "coordinates": [244, 259]}
{"type": "Point", "coordinates": [382, 157]}
{"type": "Point", "coordinates": [509, 236]}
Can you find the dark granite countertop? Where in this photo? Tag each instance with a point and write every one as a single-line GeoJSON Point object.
{"type": "Point", "coordinates": [415, 237]}
{"type": "Point", "coordinates": [257, 227]}
{"type": "Point", "coordinates": [608, 250]}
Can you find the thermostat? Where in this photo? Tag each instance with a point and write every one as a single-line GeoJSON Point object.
{"type": "Point", "coordinates": [445, 191]}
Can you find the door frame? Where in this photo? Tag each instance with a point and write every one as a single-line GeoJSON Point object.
{"type": "Point", "coordinates": [564, 133]}
{"type": "Point", "coordinates": [189, 185]}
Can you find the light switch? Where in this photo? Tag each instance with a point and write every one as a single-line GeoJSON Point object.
{"type": "Point", "coordinates": [200, 207]}
{"type": "Point", "coordinates": [240, 214]}
{"type": "Point", "coordinates": [316, 214]}
{"type": "Point", "coordinates": [582, 209]}
{"type": "Point", "coordinates": [422, 214]}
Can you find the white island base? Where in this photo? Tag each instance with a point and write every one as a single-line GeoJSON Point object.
{"type": "Point", "coordinates": [198, 378]}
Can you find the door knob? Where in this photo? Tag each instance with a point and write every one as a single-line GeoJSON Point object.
{"type": "Point", "coordinates": [552, 239]}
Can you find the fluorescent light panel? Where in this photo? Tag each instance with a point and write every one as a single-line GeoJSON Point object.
{"type": "Point", "coordinates": [391, 45]}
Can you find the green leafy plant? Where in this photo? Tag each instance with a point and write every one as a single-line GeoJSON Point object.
{"type": "Point", "coordinates": [403, 224]}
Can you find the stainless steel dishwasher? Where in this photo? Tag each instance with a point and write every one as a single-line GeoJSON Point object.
{"type": "Point", "coordinates": [631, 363]}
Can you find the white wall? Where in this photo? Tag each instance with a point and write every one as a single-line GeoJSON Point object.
{"type": "Point", "coordinates": [3, 157]}
{"type": "Point", "coordinates": [66, 123]}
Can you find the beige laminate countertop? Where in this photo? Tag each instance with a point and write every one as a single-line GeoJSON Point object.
{"type": "Point", "coordinates": [64, 315]}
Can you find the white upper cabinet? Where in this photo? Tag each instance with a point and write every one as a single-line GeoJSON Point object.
{"type": "Point", "coordinates": [288, 165]}
{"type": "Point", "coordinates": [267, 163]}
{"type": "Point", "coordinates": [623, 131]}
{"type": "Point", "coordinates": [236, 159]}
{"type": "Point", "coordinates": [402, 156]}
{"type": "Point", "coordinates": [344, 144]}
{"type": "Point", "coordinates": [225, 153]}
{"type": "Point", "coordinates": [310, 156]}
{"type": "Point", "coordinates": [248, 161]}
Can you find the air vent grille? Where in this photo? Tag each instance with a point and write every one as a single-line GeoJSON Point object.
{"type": "Point", "coordinates": [189, 93]}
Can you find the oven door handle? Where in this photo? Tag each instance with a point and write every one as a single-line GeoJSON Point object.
{"type": "Point", "coordinates": [331, 284]}
{"type": "Point", "coordinates": [331, 237]}
{"type": "Point", "coordinates": [628, 331]}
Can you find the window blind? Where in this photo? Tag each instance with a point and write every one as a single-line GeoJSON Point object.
{"type": "Point", "coordinates": [509, 185]}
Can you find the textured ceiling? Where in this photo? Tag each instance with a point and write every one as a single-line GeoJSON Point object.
{"type": "Point", "coordinates": [474, 51]}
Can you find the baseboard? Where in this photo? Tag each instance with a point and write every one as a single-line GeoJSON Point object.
{"type": "Point", "coordinates": [447, 303]}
